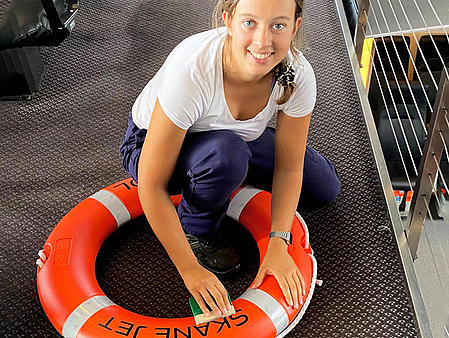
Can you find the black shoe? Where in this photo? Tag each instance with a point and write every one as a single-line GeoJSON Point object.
{"type": "Point", "coordinates": [213, 254]}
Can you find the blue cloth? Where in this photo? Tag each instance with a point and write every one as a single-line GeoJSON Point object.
{"type": "Point", "coordinates": [212, 164]}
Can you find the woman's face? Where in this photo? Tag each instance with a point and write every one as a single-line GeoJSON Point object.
{"type": "Point", "coordinates": [261, 32]}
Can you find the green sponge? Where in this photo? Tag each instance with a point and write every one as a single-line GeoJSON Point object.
{"type": "Point", "coordinates": [201, 318]}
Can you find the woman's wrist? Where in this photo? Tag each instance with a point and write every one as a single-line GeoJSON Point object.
{"type": "Point", "coordinates": [187, 265]}
{"type": "Point", "coordinates": [277, 244]}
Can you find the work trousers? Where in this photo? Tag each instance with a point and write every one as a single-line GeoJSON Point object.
{"type": "Point", "coordinates": [212, 164]}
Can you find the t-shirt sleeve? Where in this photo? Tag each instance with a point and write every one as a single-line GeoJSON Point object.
{"type": "Point", "coordinates": [181, 94]}
{"type": "Point", "coordinates": [303, 98]}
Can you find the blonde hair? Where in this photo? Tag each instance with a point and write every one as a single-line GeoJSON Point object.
{"type": "Point", "coordinates": [229, 7]}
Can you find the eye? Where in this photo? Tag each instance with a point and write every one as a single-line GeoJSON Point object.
{"type": "Point", "coordinates": [278, 26]}
{"type": "Point", "coordinates": [248, 23]}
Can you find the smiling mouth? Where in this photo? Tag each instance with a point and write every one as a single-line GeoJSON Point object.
{"type": "Point", "coordinates": [263, 56]}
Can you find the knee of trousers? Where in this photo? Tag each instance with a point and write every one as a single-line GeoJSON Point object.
{"type": "Point", "coordinates": [220, 172]}
{"type": "Point", "coordinates": [311, 199]}
{"type": "Point", "coordinates": [331, 189]}
{"type": "Point", "coordinates": [233, 156]}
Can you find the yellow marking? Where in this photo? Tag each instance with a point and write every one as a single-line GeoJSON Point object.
{"type": "Point", "coordinates": [366, 62]}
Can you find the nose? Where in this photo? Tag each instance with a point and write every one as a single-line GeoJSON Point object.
{"type": "Point", "coordinates": [262, 37]}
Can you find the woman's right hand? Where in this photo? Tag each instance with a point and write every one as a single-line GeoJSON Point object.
{"type": "Point", "coordinates": [205, 287]}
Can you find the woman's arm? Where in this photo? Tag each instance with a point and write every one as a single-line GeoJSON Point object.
{"type": "Point", "coordinates": [290, 147]}
{"type": "Point", "coordinates": [156, 164]}
{"type": "Point", "coordinates": [157, 161]}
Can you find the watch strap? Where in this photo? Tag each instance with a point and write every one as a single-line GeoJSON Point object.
{"type": "Point", "coordinates": [285, 235]}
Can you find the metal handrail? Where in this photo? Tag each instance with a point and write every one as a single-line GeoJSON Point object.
{"type": "Point", "coordinates": [355, 47]}
{"type": "Point", "coordinates": [434, 145]}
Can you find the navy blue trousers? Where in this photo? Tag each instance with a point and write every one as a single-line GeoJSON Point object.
{"type": "Point", "coordinates": [212, 164]}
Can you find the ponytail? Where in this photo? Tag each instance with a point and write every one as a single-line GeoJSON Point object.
{"type": "Point", "coordinates": [285, 77]}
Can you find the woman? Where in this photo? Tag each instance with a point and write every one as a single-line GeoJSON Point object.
{"type": "Point", "coordinates": [200, 127]}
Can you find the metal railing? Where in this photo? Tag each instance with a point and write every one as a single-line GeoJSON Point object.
{"type": "Point", "coordinates": [384, 34]}
{"type": "Point", "coordinates": [436, 133]}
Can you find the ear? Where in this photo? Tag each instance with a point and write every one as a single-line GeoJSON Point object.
{"type": "Point", "coordinates": [298, 23]}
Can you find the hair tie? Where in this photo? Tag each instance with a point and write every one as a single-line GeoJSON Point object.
{"type": "Point", "coordinates": [284, 74]}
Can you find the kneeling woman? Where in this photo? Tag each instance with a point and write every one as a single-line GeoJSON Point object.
{"type": "Point", "coordinates": [200, 127]}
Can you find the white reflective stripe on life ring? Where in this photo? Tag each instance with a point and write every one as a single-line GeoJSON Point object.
{"type": "Point", "coordinates": [114, 205]}
{"type": "Point", "coordinates": [240, 200]}
{"type": "Point", "coordinates": [82, 313]}
{"type": "Point", "coordinates": [269, 305]}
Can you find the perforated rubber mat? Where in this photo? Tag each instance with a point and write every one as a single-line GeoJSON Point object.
{"type": "Point", "coordinates": [62, 146]}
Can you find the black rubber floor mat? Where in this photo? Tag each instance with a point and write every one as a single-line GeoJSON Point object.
{"type": "Point", "coordinates": [132, 261]}
{"type": "Point", "coordinates": [62, 146]}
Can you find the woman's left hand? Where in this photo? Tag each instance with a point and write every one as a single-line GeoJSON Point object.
{"type": "Point", "coordinates": [280, 264]}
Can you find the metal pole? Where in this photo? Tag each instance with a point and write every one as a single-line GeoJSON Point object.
{"type": "Point", "coordinates": [433, 151]}
{"type": "Point", "coordinates": [361, 28]}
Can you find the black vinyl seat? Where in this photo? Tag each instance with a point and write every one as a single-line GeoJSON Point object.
{"type": "Point", "coordinates": [37, 23]}
{"type": "Point", "coordinates": [432, 57]}
{"type": "Point", "coordinates": [387, 140]}
{"type": "Point", "coordinates": [25, 27]}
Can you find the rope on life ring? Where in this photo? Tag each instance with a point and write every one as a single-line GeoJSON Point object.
{"type": "Point", "coordinates": [77, 307]}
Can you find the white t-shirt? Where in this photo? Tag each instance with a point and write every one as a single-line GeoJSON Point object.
{"type": "Point", "coordinates": [189, 86]}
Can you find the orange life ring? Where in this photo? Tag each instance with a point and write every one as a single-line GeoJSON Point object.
{"type": "Point", "coordinates": [77, 307]}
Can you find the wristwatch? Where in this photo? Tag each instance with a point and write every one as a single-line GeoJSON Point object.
{"type": "Point", "coordinates": [285, 235]}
